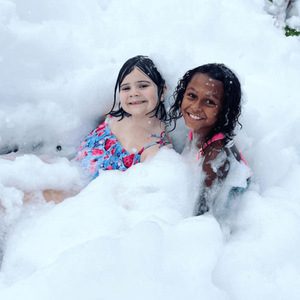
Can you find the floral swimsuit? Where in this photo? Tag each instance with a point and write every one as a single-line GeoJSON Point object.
{"type": "Point", "coordinates": [101, 150]}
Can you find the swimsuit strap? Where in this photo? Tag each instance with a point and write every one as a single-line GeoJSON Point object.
{"type": "Point", "coordinates": [162, 138]}
{"type": "Point", "coordinates": [190, 135]}
{"type": "Point", "coordinates": [216, 137]}
{"type": "Point", "coordinates": [162, 141]}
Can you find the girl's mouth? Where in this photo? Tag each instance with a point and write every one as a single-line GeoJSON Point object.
{"type": "Point", "coordinates": [137, 102]}
{"type": "Point", "coordinates": [194, 117]}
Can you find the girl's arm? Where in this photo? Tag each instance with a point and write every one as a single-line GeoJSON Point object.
{"type": "Point", "coordinates": [215, 168]}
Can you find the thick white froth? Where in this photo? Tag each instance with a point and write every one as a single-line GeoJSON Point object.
{"type": "Point", "coordinates": [131, 235]}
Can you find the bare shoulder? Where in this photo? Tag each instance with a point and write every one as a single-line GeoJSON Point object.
{"type": "Point", "coordinates": [216, 163]}
{"type": "Point", "coordinates": [149, 153]}
{"type": "Point", "coordinates": [117, 126]}
{"type": "Point", "coordinates": [213, 150]}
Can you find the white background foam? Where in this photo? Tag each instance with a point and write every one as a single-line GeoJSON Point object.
{"type": "Point", "coordinates": [131, 235]}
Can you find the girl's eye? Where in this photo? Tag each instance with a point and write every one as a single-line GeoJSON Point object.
{"type": "Point", "coordinates": [125, 88]}
{"type": "Point", "coordinates": [143, 86]}
{"type": "Point", "coordinates": [192, 96]}
{"type": "Point", "coordinates": [210, 102]}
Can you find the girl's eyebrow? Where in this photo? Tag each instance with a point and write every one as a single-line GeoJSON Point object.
{"type": "Point", "coordinates": [139, 81]}
{"type": "Point", "coordinates": [191, 88]}
{"type": "Point", "coordinates": [210, 94]}
{"type": "Point", "coordinates": [143, 81]}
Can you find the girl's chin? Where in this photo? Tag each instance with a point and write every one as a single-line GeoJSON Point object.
{"type": "Point", "coordinates": [191, 126]}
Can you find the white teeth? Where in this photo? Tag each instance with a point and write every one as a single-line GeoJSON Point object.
{"type": "Point", "coordinates": [194, 117]}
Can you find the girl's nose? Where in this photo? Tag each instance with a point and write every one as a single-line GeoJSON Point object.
{"type": "Point", "coordinates": [197, 107]}
{"type": "Point", "coordinates": [134, 92]}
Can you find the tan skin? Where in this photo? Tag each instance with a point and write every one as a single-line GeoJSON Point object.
{"type": "Point", "coordinates": [201, 105]}
{"type": "Point", "coordinates": [56, 196]}
{"type": "Point", "coordinates": [51, 195]}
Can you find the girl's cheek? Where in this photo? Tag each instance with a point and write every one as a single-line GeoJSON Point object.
{"type": "Point", "coordinates": [180, 108]}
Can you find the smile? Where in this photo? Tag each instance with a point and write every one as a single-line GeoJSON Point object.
{"type": "Point", "coordinates": [194, 117]}
{"type": "Point", "coordinates": [137, 102]}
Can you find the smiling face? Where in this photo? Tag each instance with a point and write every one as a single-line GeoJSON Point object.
{"type": "Point", "coordinates": [202, 103]}
{"type": "Point", "coordinates": [138, 93]}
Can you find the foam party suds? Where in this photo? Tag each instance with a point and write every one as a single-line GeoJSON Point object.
{"type": "Point", "coordinates": [132, 235]}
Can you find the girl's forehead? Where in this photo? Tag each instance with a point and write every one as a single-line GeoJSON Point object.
{"type": "Point", "coordinates": [135, 75]}
{"type": "Point", "coordinates": [204, 81]}
{"type": "Point", "coordinates": [201, 78]}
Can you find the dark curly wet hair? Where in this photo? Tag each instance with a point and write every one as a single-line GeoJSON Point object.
{"type": "Point", "coordinates": [231, 108]}
{"type": "Point", "coordinates": [146, 65]}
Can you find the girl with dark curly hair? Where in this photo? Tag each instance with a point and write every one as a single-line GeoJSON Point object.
{"type": "Point", "coordinates": [209, 99]}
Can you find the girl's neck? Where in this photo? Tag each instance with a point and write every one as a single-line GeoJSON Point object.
{"type": "Point", "coordinates": [143, 121]}
{"type": "Point", "coordinates": [199, 139]}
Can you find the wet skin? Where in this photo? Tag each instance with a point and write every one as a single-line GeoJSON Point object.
{"type": "Point", "coordinates": [201, 104]}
